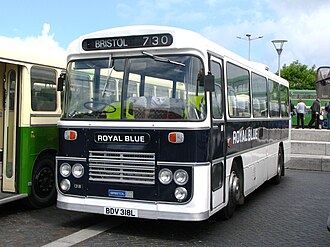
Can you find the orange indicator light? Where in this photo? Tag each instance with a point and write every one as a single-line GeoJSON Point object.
{"type": "Point", "coordinates": [70, 135]}
{"type": "Point", "coordinates": [176, 137]}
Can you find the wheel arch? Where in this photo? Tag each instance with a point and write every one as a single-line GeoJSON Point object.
{"type": "Point", "coordinates": [46, 152]}
{"type": "Point", "coordinates": [239, 164]}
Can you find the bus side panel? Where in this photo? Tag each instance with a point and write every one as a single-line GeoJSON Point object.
{"type": "Point", "coordinates": [257, 143]}
{"type": "Point", "coordinates": [33, 141]}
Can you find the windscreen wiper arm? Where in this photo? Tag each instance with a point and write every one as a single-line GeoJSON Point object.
{"type": "Point", "coordinates": [107, 81]}
{"type": "Point", "coordinates": [323, 81]}
{"type": "Point", "coordinates": [108, 77]}
{"type": "Point", "coordinates": [162, 59]}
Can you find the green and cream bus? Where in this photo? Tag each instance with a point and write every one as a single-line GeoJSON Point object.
{"type": "Point", "coordinates": [30, 107]}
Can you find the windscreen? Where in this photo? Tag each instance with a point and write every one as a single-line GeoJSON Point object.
{"type": "Point", "coordinates": [143, 88]}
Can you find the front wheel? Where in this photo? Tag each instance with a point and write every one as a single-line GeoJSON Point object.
{"type": "Point", "coordinates": [234, 193]}
{"type": "Point", "coordinates": [43, 191]}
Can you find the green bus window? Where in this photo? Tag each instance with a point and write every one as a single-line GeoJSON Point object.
{"type": "Point", "coordinates": [43, 89]}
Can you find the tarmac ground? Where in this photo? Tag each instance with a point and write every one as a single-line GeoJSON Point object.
{"type": "Point", "coordinates": [293, 213]}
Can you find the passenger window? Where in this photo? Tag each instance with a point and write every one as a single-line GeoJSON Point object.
{"type": "Point", "coordinates": [259, 96]}
{"type": "Point", "coordinates": [43, 89]}
{"type": "Point", "coordinates": [238, 91]}
{"type": "Point", "coordinates": [274, 98]}
{"type": "Point", "coordinates": [284, 94]}
{"type": "Point", "coordinates": [217, 94]}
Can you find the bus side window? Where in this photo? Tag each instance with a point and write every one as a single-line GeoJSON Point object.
{"type": "Point", "coordinates": [231, 102]}
{"type": "Point", "coordinates": [274, 99]}
{"type": "Point", "coordinates": [259, 96]}
{"type": "Point", "coordinates": [217, 94]}
{"type": "Point", "coordinates": [284, 94]}
{"type": "Point", "coordinates": [216, 102]}
{"type": "Point", "coordinates": [43, 89]}
{"type": "Point", "coordinates": [256, 107]}
{"type": "Point", "coordinates": [238, 81]}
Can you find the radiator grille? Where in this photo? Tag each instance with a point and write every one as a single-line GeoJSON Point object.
{"type": "Point", "coordinates": [124, 167]}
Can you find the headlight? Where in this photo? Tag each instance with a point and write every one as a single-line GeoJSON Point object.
{"type": "Point", "coordinates": [165, 176]}
{"type": "Point", "coordinates": [65, 170]}
{"type": "Point", "coordinates": [65, 185]}
{"type": "Point", "coordinates": [181, 177]}
{"type": "Point", "coordinates": [77, 170]}
{"type": "Point", "coordinates": [180, 193]}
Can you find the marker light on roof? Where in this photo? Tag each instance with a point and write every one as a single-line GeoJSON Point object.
{"type": "Point", "coordinates": [70, 135]}
{"type": "Point", "coordinates": [176, 137]}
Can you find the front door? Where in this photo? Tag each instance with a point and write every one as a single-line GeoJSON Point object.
{"type": "Point", "coordinates": [218, 135]}
{"type": "Point", "coordinates": [9, 114]}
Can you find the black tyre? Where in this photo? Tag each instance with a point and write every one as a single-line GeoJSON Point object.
{"type": "Point", "coordinates": [43, 192]}
{"type": "Point", "coordinates": [280, 167]}
{"type": "Point", "coordinates": [234, 193]}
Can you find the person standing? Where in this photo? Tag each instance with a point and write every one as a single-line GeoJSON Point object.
{"type": "Point", "coordinates": [291, 109]}
{"type": "Point", "coordinates": [300, 108]}
{"type": "Point", "coordinates": [315, 114]}
{"type": "Point", "coordinates": [327, 109]}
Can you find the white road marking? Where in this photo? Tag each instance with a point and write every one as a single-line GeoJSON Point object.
{"type": "Point", "coordinates": [83, 234]}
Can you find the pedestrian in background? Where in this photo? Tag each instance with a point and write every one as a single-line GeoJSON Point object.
{"type": "Point", "coordinates": [300, 109]}
{"type": "Point", "coordinates": [327, 109]}
{"type": "Point", "coordinates": [315, 114]}
{"type": "Point", "coordinates": [291, 109]}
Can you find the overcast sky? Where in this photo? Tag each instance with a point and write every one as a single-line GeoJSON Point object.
{"type": "Point", "coordinates": [304, 23]}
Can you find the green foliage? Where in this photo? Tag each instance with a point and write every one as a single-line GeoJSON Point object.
{"type": "Point", "coordinates": [299, 75]}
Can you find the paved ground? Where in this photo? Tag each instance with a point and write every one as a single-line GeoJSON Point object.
{"type": "Point", "coordinates": [293, 213]}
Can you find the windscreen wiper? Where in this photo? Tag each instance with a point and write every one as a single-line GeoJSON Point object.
{"type": "Point", "coordinates": [323, 81]}
{"type": "Point", "coordinates": [163, 59]}
{"type": "Point", "coordinates": [108, 77]}
{"type": "Point", "coordinates": [107, 81]}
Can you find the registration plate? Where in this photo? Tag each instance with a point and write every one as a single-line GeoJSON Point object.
{"type": "Point", "coordinates": [127, 212]}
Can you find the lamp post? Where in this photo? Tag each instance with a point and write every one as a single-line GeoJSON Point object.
{"type": "Point", "coordinates": [249, 39]}
{"type": "Point", "coordinates": [278, 44]}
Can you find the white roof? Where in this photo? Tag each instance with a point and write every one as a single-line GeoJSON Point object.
{"type": "Point", "coordinates": [182, 38]}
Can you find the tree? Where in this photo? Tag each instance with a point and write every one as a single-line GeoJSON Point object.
{"type": "Point", "coordinates": [299, 75]}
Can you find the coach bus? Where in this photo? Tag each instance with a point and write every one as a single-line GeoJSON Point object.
{"type": "Point", "coordinates": [29, 110]}
{"type": "Point", "coordinates": [162, 123]}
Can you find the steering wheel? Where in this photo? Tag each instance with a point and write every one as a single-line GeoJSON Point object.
{"type": "Point", "coordinates": [111, 110]}
{"type": "Point", "coordinates": [99, 106]}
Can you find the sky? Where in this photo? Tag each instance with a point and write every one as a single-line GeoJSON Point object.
{"type": "Point", "coordinates": [304, 24]}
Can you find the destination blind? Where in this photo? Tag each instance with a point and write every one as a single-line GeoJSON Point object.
{"type": "Point", "coordinates": [126, 42]}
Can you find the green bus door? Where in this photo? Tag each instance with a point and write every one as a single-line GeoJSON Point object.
{"type": "Point", "coordinates": [9, 123]}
